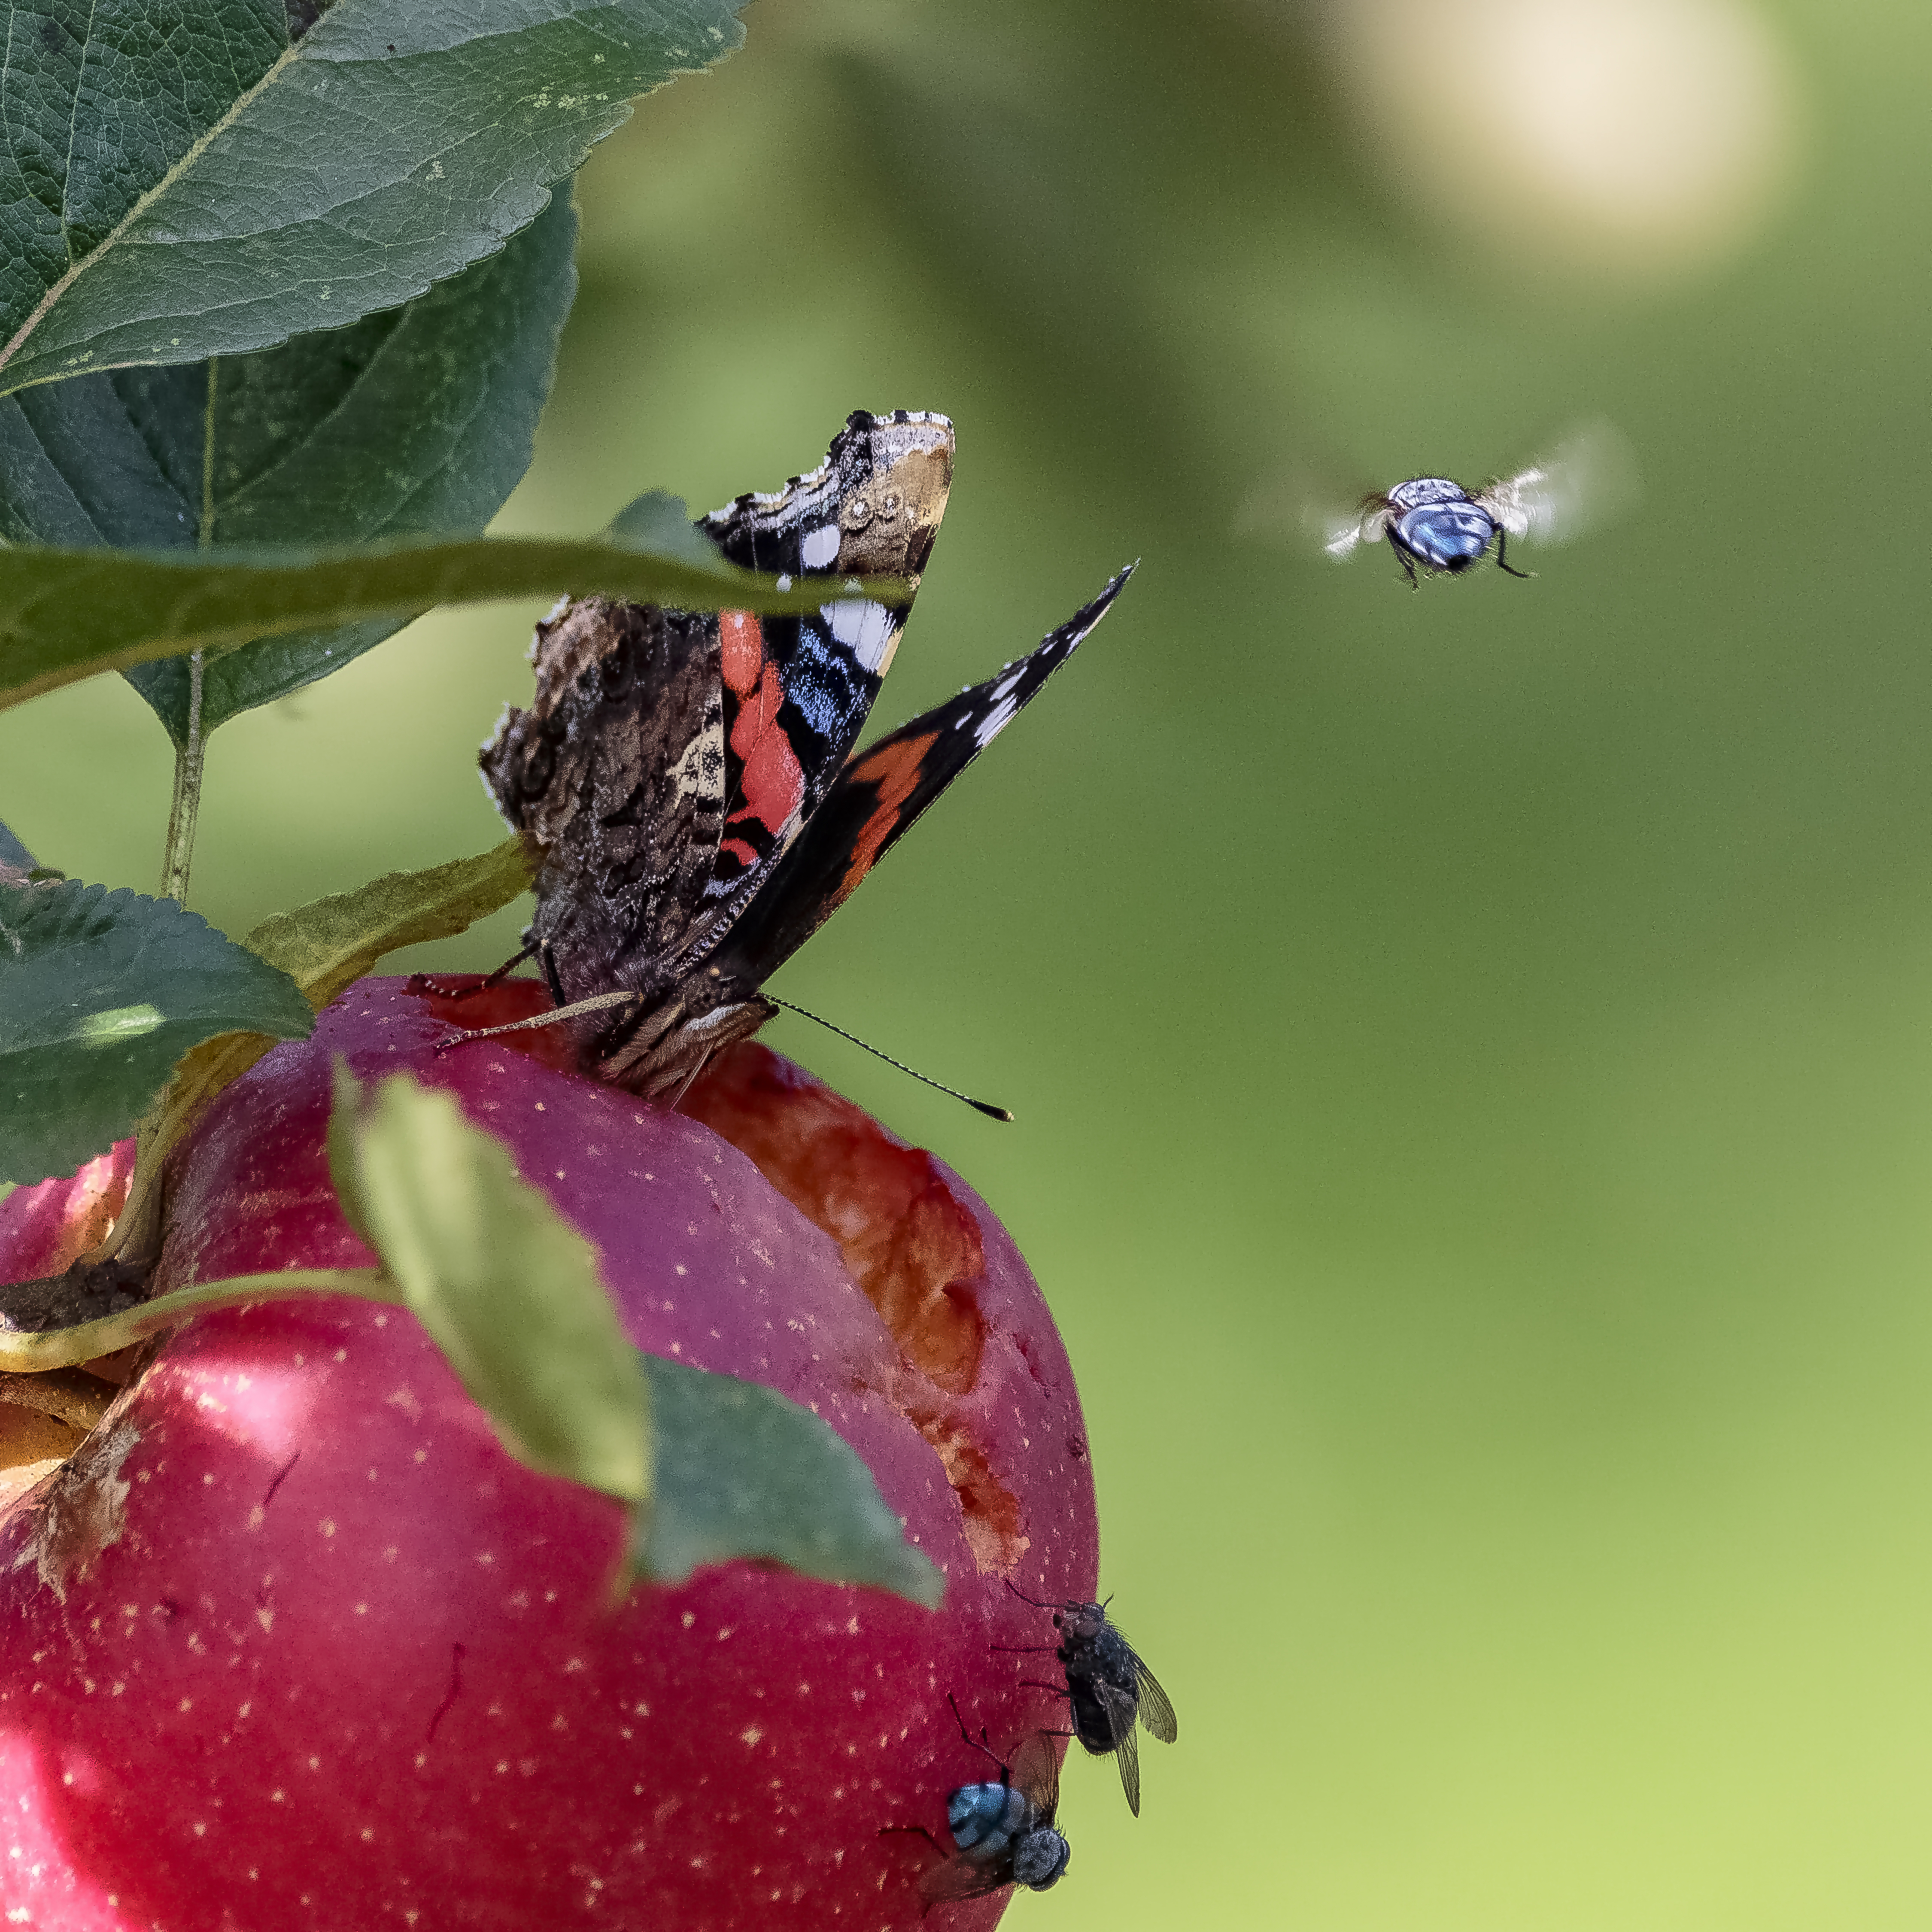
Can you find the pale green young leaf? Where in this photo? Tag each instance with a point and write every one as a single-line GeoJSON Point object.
{"type": "Point", "coordinates": [507, 1290]}
{"type": "Point", "coordinates": [67, 614]}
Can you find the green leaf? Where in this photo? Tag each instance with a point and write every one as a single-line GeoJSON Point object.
{"type": "Point", "coordinates": [743, 1471]}
{"type": "Point", "coordinates": [330, 943]}
{"type": "Point", "coordinates": [420, 420]}
{"type": "Point", "coordinates": [100, 993]}
{"type": "Point", "coordinates": [181, 183]}
{"type": "Point", "coordinates": [659, 521]}
{"type": "Point", "coordinates": [505, 1288]}
{"type": "Point", "coordinates": [65, 614]}
{"type": "Point", "coordinates": [323, 946]}
{"type": "Point", "coordinates": [15, 859]}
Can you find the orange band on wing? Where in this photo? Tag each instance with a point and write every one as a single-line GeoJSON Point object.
{"type": "Point", "coordinates": [773, 783]}
{"type": "Point", "coordinates": [742, 640]}
{"type": "Point", "coordinates": [894, 769]}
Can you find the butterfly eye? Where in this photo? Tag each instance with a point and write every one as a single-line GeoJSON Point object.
{"type": "Point", "coordinates": [858, 513]}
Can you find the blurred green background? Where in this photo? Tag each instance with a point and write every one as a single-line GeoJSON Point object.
{"type": "Point", "coordinates": [1473, 1051]}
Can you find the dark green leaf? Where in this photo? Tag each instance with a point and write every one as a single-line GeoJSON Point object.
{"type": "Point", "coordinates": [181, 183]}
{"type": "Point", "coordinates": [14, 857]}
{"type": "Point", "coordinates": [416, 421]}
{"type": "Point", "coordinates": [505, 1288]}
{"type": "Point", "coordinates": [743, 1471]}
{"type": "Point", "coordinates": [100, 993]}
{"type": "Point", "coordinates": [65, 614]}
{"type": "Point", "coordinates": [658, 521]}
{"type": "Point", "coordinates": [323, 947]}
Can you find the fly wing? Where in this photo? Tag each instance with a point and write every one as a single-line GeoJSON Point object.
{"type": "Point", "coordinates": [1156, 1711]}
{"type": "Point", "coordinates": [961, 1878]}
{"type": "Point", "coordinates": [1119, 1706]}
{"type": "Point", "coordinates": [1589, 479]}
{"type": "Point", "coordinates": [1036, 1772]}
{"type": "Point", "coordinates": [1339, 531]}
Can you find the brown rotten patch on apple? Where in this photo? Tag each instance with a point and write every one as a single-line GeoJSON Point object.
{"type": "Point", "coordinates": [911, 1242]}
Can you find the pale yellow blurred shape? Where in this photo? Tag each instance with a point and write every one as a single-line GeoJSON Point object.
{"type": "Point", "coordinates": [1629, 138]}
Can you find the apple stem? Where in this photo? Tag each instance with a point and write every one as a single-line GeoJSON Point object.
{"type": "Point", "coordinates": [34, 1353]}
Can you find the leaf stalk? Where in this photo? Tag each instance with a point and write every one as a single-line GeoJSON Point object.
{"type": "Point", "coordinates": [186, 805]}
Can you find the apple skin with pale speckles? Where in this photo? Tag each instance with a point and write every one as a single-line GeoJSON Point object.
{"type": "Point", "coordinates": [291, 1641]}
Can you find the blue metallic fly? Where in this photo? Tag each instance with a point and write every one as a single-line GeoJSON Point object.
{"type": "Point", "coordinates": [1437, 523]}
{"type": "Point", "coordinates": [1002, 1833]}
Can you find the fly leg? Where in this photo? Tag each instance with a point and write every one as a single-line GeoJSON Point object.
{"type": "Point", "coordinates": [979, 1743]}
{"type": "Point", "coordinates": [1402, 557]}
{"type": "Point", "coordinates": [1502, 563]}
{"type": "Point", "coordinates": [913, 1831]}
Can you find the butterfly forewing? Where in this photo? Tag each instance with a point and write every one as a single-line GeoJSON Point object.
{"type": "Point", "coordinates": [883, 790]}
{"type": "Point", "coordinates": [797, 689]}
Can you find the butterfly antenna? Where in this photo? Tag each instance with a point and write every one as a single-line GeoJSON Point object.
{"type": "Point", "coordinates": [986, 1107]}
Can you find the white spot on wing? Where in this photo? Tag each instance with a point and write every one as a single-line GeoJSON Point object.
{"type": "Point", "coordinates": [864, 628]}
{"type": "Point", "coordinates": [819, 548]}
{"type": "Point", "coordinates": [994, 722]}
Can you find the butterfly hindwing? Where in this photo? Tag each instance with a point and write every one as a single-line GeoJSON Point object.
{"type": "Point", "coordinates": [880, 792]}
{"type": "Point", "coordinates": [617, 772]}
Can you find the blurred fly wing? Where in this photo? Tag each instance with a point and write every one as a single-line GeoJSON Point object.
{"type": "Point", "coordinates": [1301, 506]}
{"type": "Point", "coordinates": [1036, 1772]}
{"type": "Point", "coordinates": [1339, 531]}
{"type": "Point", "coordinates": [960, 1878]}
{"type": "Point", "coordinates": [1156, 1712]}
{"type": "Point", "coordinates": [1119, 1706]}
{"type": "Point", "coordinates": [1588, 479]}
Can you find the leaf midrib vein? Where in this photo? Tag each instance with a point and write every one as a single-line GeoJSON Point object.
{"type": "Point", "coordinates": [193, 154]}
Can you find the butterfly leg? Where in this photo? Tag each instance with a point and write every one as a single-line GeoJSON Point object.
{"type": "Point", "coordinates": [595, 1004]}
{"type": "Point", "coordinates": [429, 982]}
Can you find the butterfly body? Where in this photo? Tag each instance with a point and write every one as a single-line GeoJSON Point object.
{"type": "Point", "coordinates": [687, 778]}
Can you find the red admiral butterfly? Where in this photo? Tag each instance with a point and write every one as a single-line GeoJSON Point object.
{"type": "Point", "coordinates": [688, 777]}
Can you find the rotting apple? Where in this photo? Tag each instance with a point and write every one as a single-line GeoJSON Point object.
{"type": "Point", "coordinates": [291, 1641]}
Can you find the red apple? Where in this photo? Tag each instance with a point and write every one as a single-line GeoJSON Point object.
{"type": "Point", "coordinates": [291, 1641]}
